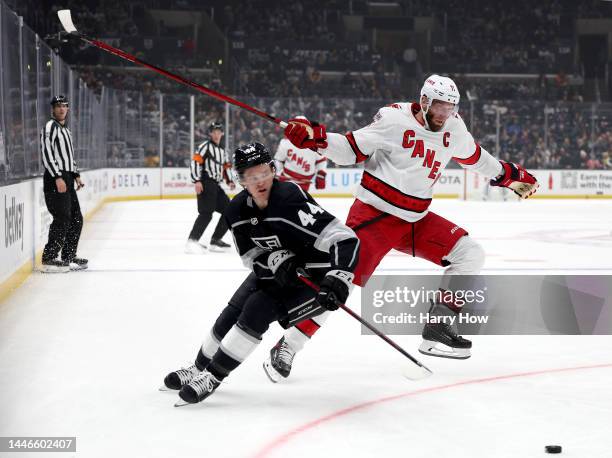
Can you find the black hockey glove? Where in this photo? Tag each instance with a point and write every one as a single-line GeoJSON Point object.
{"type": "Point", "coordinates": [334, 289]}
{"type": "Point", "coordinates": [283, 265]}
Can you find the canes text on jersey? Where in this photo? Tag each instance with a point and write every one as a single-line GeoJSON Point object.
{"type": "Point", "coordinates": [418, 150]}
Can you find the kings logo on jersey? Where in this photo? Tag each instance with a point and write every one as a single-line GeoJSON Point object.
{"type": "Point", "coordinates": [267, 243]}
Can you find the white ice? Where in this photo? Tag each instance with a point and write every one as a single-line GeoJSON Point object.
{"type": "Point", "coordinates": [83, 354]}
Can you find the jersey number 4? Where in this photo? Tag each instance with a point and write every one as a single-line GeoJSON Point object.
{"type": "Point", "coordinates": [307, 218]}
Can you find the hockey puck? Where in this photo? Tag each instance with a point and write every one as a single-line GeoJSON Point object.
{"type": "Point", "coordinates": [553, 449]}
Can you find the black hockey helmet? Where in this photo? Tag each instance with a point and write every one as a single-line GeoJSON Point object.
{"type": "Point", "coordinates": [59, 100]}
{"type": "Point", "coordinates": [247, 156]}
{"type": "Point", "coordinates": [215, 125]}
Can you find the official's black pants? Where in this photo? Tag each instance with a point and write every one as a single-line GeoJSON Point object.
{"type": "Point", "coordinates": [212, 199]}
{"type": "Point", "coordinates": [65, 229]}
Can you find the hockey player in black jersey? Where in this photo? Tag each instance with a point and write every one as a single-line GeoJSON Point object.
{"type": "Point", "coordinates": [278, 230]}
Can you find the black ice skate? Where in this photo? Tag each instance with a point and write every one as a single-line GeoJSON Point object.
{"type": "Point", "coordinates": [178, 379]}
{"type": "Point", "coordinates": [53, 266]}
{"type": "Point", "coordinates": [440, 339]}
{"type": "Point", "coordinates": [219, 245]}
{"type": "Point", "coordinates": [202, 386]}
{"type": "Point", "coordinates": [279, 363]}
{"type": "Point", "coordinates": [78, 264]}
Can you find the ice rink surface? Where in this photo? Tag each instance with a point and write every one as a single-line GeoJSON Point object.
{"type": "Point", "coordinates": [83, 354]}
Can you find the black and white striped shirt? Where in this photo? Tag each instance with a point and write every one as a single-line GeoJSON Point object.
{"type": "Point", "coordinates": [209, 160]}
{"type": "Point", "coordinates": [57, 149]}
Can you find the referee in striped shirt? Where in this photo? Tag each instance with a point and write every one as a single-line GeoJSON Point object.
{"type": "Point", "coordinates": [209, 167]}
{"type": "Point", "coordinates": [59, 181]}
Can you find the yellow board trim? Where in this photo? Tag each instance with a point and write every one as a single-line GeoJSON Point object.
{"type": "Point", "coordinates": [8, 286]}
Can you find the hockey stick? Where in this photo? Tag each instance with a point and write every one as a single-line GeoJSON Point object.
{"type": "Point", "coordinates": [416, 371]}
{"type": "Point", "coordinates": [66, 20]}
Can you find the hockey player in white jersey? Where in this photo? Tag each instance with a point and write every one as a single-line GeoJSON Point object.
{"type": "Point", "coordinates": [300, 165]}
{"type": "Point", "coordinates": [405, 150]}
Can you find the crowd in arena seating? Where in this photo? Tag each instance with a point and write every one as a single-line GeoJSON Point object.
{"type": "Point", "coordinates": [536, 134]}
{"type": "Point", "coordinates": [543, 88]}
{"type": "Point", "coordinates": [560, 135]}
{"type": "Point", "coordinates": [100, 18]}
{"type": "Point", "coordinates": [510, 37]}
{"type": "Point", "coordinates": [137, 79]}
{"type": "Point", "coordinates": [286, 51]}
{"type": "Point", "coordinates": [294, 53]}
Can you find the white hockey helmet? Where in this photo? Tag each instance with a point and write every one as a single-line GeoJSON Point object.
{"type": "Point", "coordinates": [441, 88]}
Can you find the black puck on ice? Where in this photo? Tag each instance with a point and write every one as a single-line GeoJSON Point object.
{"type": "Point", "coordinates": [553, 449]}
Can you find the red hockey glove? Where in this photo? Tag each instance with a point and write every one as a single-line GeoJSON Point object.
{"type": "Point", "coordinates": [320, 179]}
{"type": "Point", "coordinates": [516, 178]}
{"type": "Point", "coordinates": [227, 177]}
{"type": "Point", "coordinates": [305, 134]}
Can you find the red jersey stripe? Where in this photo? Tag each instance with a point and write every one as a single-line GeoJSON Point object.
{"type": "Point", "coordinates": [392, 195]}
{"type": "Point", "coordinates": [470, 160]}
{"type": "Point", "coordinates": [360, 156]}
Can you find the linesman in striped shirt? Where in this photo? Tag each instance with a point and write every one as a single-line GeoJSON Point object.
{"type": "Point", "coordinates": [61, 180]}
{"type": "Point", "coordinates": [209, 167]}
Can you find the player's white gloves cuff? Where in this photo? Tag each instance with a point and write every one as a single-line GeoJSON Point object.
{"type": "Point", "coordinates": [344, 276]}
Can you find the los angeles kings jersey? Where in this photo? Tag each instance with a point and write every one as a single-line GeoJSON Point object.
{"type": "Point", "coordinates": [404, 160]}
{"type": "Point", "coordinates": [292, 221]}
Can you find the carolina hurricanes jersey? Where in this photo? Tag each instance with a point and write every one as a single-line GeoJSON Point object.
{"type": "Point", "coordinates": [404, 160]}
{"type": "Point", "coordinates": [299, 165]}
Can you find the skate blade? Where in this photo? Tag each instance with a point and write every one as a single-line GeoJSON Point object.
{"type": "Point", "coordinates": [165, 388]}
{"type": "Point", "coordinates": [54, 270]}
{"type": "Point", "coordinates": [431, 348]}
{"type": "Point", "coordinates": [274, 376]}
{"type": "Point", "coordinates": [196, 253]}
{"type": "Point", "coordinates": [76, 267]}
{"type": "Point", "coordinates": [218, 249]}
{"type": "Point", "coordinates": [415, 372]}
{"type": "Point", "coordinates": [181, 403]}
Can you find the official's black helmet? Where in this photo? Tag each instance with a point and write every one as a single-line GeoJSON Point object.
{"type": "Point", "coordinates": [247, 156]}
{"type": "Point", "coordinates": [215, 125]}
{"type": "Point", "coordinates": [59, 100]}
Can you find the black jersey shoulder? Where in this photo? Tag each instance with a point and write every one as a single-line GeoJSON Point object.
{"type": "Point", "coordinates": [288, 193]}
{"type": "Point", "coordinates": [236, 207]}
{"type": "Point", "coordinates": [283, 195]}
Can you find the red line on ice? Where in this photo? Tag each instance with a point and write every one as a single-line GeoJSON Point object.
{"type": "Point", "coordinates": [284, 438]}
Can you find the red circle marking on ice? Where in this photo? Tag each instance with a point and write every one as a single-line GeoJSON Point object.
{"type": "Point", "coordinates": [284, 438]}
